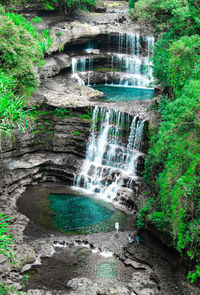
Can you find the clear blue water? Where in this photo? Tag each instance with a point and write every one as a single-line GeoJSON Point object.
{"type": "Point", "coordinates": [118, 93]}
{"type": "Point", "coordinates": [74, 213]}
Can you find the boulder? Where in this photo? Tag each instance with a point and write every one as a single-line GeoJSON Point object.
{"type": "Point", "coordinates": [143, 284]}
{"type": "Point", "coordinates": [82, 286]}
{"type": "Point", "coordinates": [55, 64]}
{"type": "Point", "coordinates": [125, 194]}
{"type": "Point", "coordinates": [107, 291]}
{"type": "Point", "coordinates": [24, 254]}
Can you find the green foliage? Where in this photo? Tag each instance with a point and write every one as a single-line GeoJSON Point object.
{"type": "Point", "coordinates": [21, 50]}
{"type": "Point", "coordinates": [144, 212]}
{"type": "Point", "coordinates": [8, 290]}
{"type": "Point", "coordinates": [62, 113]}
{"type": "Point", "coordinates": [181, 15]}
{"type": "Point", "coordinates": [87, 115]}
{"type": "Point", "coordinates": [6, 239]}
{"type": "Point", "coordinates": [184, 61]}
{"type": "Point", "coordinates": [68, 5]}
{"type": "Point", "coordinates": [177, 24]}
{"type": "Point", "coordinates": [194, 275]}
{"type": "Point", "coordinates": [6, 242]}
{"type": "Point", "coordinates": [78, 4]}
{"type": "Point", "coordinates": [13, 110]}
{"type": "Point", "coordinates": [161, 60]}
{"type": "Point", "coordinates": [25, 280]}
{"type": "Point", "coordinates": [36, 20]}
{"type": "Point", "coordinates": [173, 165]}
{"type": "Point", "coordinates": [131, 3]}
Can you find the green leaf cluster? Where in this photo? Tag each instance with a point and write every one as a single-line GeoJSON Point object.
{"type": "Point", "coordinates": [14, 112]}
{"type": "Point", "coordinates": [6, 242]}
{"type": "Point", "coordinates": [164, 15]}
{"type": "Point", "coordinates": [172, 166]}
{"type": "Point", "coordinates": [67, 5]}
{"type": "Point", "coordinates": [184, 61]}
{"type": "Point", "coordinates": [22, 50]}
{"type": "Point", "coordinates": [6, 239]}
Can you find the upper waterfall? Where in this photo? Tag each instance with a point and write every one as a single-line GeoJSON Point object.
{"type": "Point", "coordinates": [127, 55]}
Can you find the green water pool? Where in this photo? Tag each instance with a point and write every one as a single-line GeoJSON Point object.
{"type": "Point", "coordinates": [119, 93]}
{"type": "Point", "coordinates": [75, 213]}
{"type": "Point", "coordinates": [68, 211]}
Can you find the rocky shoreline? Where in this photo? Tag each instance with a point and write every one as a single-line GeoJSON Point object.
{"type": "Point", "coordinates": [31, 248]}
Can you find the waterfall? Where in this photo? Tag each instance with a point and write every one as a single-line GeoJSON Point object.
{"type": "Point", "coordinates": [82, 64]}
{"type": "Point", "coordinates": [131, 58]}
{"type": "Point", "coordinates": [89, 48]}
{"type": "Point", "coordinates": [133, 44]}
{"type": "Point", "coordinates": [111, 154]}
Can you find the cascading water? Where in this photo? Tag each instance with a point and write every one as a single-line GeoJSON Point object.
{"type": "Point", "coordinates": [82, 64]}
{"type": "Point", "coordinates": [112, 152]}
{"type": "Point", "coordinates": [133, 57]}
{"type": "Point", "coordinates": [129, 57]}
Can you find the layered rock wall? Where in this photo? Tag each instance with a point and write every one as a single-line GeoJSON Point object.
{"type": "Point", "coordinates": [50, 152]}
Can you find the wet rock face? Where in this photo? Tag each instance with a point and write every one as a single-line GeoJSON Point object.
{"type": "Point", "coordinates": [55, 153]}
{"type": "Point", "coordinates": [64, 33]}
{"type": "Point", "coordinates": [52, 153]}
{"type": "Point", "coordinates": [55, 64]}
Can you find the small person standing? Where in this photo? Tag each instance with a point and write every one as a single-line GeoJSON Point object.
{"type": "Point", "coordinates": [117, 227]}
{"type": "Point", "coordinates": [137, 239]}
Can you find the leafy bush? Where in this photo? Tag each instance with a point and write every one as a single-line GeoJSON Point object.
{"type": "Point", "coordinates": [161, 60]}
{"type": "Point", "coordinates": [173, 165]}
{"type": "Point", "coordinates": [184, 61]}
{"type": "Point", "coordinates": [68, 5]}
{"type": "Point", "coordinates": [176, 61]}
{"type": "Point", "coordinates": [13, 110]}
{"type": "Point", "coordinates": [6, 240]}
{"type": "Point", "coordinates": [182, 15]}
{"type": "Point", "coordinates": [21, 50]}
{"type": "Point", "coordinates": [131, 3]}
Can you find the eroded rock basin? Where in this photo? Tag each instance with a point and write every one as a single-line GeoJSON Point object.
{"type": "Point", "coordinates": [62, 208]}
{"type": "Point", "coordinates": [97, 263]}
{"type": "Point", "coordinates": [77, 261]}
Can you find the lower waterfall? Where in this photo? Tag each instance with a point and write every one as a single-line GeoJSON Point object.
{"type": "Point", "coordinates": [112, 154]}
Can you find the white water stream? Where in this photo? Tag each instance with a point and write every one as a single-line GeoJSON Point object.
{"type": "Point", "coordinates": [111, 160]}
{"type": "Point", "coordinates": [131, 59]}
